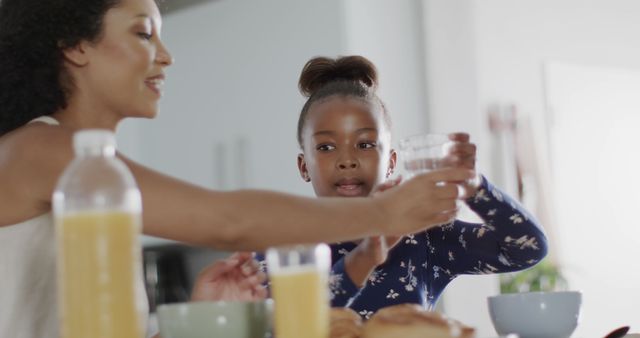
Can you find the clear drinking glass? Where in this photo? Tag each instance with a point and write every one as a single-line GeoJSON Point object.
{"type": "Point", "coordinates": [300, 288]}
{"type": "Point", "coordinates": [425, 152]}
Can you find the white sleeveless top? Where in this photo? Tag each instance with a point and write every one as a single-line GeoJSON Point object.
{"type": "Point", "coordinates": [28, 288]}
{"type": "Point", "coordinates": [28, 276]}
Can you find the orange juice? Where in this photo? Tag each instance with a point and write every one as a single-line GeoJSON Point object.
{"type": "Point", "coordinates": [301, 300]}
{"type": "Point", "coordinates": [100, 276]}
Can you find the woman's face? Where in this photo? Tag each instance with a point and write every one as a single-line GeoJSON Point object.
{"type": "Point", "coordinates": [346, 147]}
{"type": "Point", "coordinates": [124, 70]}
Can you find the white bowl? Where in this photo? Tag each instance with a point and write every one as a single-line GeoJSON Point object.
{"type": "Point", "coordinates": [536, 314]}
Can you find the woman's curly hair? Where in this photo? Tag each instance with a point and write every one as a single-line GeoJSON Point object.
{"type": "Point", "coordinates": [33, 36]}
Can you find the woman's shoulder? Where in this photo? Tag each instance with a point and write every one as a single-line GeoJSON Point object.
{"type": "Point", "coordinates": [32, 158]}
{"type": "Point", "coordinates": [36, 143]}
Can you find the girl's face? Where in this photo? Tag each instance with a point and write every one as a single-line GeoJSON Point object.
{"type": "Point", "coordinates": [346, 147]}
{"type": "Point", "coordinates": [123, 71]}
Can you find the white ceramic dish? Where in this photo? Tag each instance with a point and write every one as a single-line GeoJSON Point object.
{"type": "Point", "coordinates": [536, 314]}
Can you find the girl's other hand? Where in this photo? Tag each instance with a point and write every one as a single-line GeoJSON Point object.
{"type": "Point", "coordinates": [236, 278]}
{"type": "Point", "coordinates": [360, 262]}
{"type": "Point", "coordinates": [377, 248]}
{"type": "Point", "coordinates": [371, 251]}
{"type": "Point", "coordinates": [386, 185]}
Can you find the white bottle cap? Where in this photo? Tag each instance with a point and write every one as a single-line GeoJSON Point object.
{"type": "Point", "coordinates": [90, 140]}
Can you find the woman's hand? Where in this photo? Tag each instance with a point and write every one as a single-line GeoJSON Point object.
{"type": "Point", "coordinates": [236, 278]}
{"type": "Point", "coordinates": [425, 201]}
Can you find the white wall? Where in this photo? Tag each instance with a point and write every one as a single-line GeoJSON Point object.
{"type": "Point", "coordinates": [389, 33]}
{"type": "Point", "coordinates": [502, 46]}
{"type": "Point", "coordinates": [514, 40]}
{"type": "Point", "coordinates": [483, 52]}
{"type": "Point", "coordinates": [451, 64]}
{"type": "Point", "coordinates": [599, 241]}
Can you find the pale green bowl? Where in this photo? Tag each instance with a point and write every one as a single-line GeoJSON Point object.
{"type": "Point", "coordinates": [216, 319]}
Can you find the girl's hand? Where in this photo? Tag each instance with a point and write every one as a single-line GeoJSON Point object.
{"type": "Point", "coordinates": [463, 155]}
{"type": "Point", "coordinates": [360, 262]}
{"type": "Point", "coordinates": [236, 278]}
{"type": "Point", "coordinates": [377, 248]}
{"type": "Point", "coordinates": [371, 251]}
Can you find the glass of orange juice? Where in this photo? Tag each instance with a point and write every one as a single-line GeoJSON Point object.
{"type": "Point", "coordinates": [300, 288]}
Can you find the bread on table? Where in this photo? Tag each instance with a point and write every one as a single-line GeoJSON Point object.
{"type": "Point", "coordinates": [345, 323]}
{"type": "Point", "coordinates": [411, 321]}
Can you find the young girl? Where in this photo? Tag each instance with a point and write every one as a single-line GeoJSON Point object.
{"type": "Point", "coordinates": [344, 134]}
{"type": "Point", "coordinates": [67, 65]}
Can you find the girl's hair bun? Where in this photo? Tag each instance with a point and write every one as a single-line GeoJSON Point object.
{"type": "Point", "coordinates": [320, 71]}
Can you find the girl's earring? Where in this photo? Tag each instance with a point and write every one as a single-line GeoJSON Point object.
{"type": "Point", "coordinates": [306, 177]}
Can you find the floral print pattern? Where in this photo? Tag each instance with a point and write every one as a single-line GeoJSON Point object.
{"type": "Point", "coordinates": [421, 265]}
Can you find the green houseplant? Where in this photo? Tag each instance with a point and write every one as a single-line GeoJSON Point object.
{"type": "Point", "coordinates": [544, 276]}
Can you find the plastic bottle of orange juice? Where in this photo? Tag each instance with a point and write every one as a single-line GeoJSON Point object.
{"type": "Point", "coordinates": [97, 211]}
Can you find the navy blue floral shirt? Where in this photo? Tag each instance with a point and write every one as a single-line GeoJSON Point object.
{"type": "Point", "coordinates": [421, 265]}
